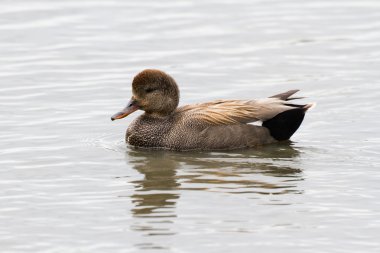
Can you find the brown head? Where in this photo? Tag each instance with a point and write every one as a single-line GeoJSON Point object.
{"type": "Point", "coordinates": [154, 92]}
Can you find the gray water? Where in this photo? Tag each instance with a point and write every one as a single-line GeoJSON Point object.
{"type": "Point", "coordinates": [68, 182]}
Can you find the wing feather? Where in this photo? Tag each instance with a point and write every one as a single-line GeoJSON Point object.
{"type": "Point", "coordinates": [227, 112]}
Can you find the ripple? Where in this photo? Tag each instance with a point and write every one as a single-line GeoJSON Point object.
{"type": "Point", "coordinates": [67, 66]}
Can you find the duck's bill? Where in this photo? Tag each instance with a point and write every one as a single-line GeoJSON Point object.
{"type": "Point", "coordinates": [130, 108]}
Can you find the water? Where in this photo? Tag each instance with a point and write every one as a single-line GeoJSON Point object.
{"type": "Point", "coordinates": [68, 183]}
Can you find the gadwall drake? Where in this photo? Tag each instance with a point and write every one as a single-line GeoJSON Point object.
{"type": "Point", "coordinates": [216, 125]}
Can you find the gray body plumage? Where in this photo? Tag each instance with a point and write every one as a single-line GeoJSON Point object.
{"type": "Point", "coordinates": [175, 132]}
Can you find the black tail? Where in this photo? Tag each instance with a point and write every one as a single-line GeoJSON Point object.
{"type": "Point", "coordinates": [285, 124]}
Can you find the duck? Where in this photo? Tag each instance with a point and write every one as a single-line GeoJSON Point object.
{"type": "Point", "coordinates": [216, 125]}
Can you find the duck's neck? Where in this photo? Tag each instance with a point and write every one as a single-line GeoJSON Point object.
{"type": "Point", "coordinates": [158, 116]}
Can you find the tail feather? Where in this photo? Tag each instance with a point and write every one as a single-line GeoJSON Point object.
{"type": "Point", "coordinates": [286, 95]}
{"type": "Point", "coordinates": [293, 98]}
{"type": "Point", "coordinates": [285, 124]}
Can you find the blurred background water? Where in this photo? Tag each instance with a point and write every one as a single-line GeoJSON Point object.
{"type": "Point", "coordinates": [68, 183]}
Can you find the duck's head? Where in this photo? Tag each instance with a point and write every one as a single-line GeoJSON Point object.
{"type": "Point", "coordinates": [154, 92]}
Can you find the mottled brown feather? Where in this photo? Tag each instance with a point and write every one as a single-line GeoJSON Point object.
{"type": "Point", "coordinates": [225, 112]}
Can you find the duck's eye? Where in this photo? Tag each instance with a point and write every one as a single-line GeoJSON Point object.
{"type": "Point", "coordinates": [148, 90]}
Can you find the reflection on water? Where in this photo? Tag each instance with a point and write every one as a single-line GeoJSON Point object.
{"type": "Point", "coordinates": [154, 191]}
{"type": "Point", "coordinates": [266, 170]}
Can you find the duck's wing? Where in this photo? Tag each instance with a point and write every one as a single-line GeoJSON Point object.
{"type": "Point", "coordinates": [227, 112]}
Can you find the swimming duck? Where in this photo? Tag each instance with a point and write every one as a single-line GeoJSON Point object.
{"type": "Point", "coordinates": [216, 125]}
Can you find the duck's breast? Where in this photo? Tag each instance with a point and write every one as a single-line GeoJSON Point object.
{"type": "Point", "coordinates": [148, 132]}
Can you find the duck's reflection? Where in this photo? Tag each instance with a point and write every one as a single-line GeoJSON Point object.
{"type": "Point", "coordinates": [271, 170]}
{"type": "Point", "coordinates": [266, 170]}
{"type": "Point", "coordinates": [156, 191]}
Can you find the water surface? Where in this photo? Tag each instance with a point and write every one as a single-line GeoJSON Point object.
{"type": "Point", "coordinates": [68, 183]}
